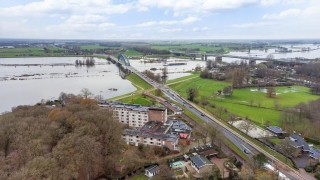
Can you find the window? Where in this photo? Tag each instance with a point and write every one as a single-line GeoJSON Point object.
{"type": "Point", "coordinates": [137, 140]}
{"type": "Point", "coordinates": [159, 144]}
{"type": "Point", "coordinates": [130, 139]}
{"type": "Point", "coordinates": [130, 136]}
{"type": "Point", "coordinates": [144, 138]}
{"type": "Point", "coordinates": [150, 138]}
{"type": "Point", "coordinates": [151, 142]}
{"type": "Point", "coordinates": [145, 141]}
{"type": "Point", "coordinates": [137, 136]}
{"type": "Point", "coordinates": [159, 139]}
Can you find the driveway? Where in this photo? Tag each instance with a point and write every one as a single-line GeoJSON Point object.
{"type": "Point", "coordinates": [302, 161]}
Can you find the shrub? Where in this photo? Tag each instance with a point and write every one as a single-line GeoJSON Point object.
{"type": "Point", "coordinates": [317, 176]}
{"type": "Point", "coordinates": [310, 168]}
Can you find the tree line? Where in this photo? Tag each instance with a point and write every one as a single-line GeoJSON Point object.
{"type": "Point", "coordinates": [146, 50]}
{"type": "Point", "coordinates": [89, 62]}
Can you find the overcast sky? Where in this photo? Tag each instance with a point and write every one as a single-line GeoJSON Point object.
{"type": "Point", "coordinates": [160, 19]}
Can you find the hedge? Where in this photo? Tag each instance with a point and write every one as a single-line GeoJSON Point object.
{"type": "Point", "coordinates": [309, 140]}
{"type": "Point", "coordinates": [317, 176]}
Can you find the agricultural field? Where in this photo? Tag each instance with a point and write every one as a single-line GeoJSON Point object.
{"type": "Point", "coordinates": [239, 102]}
{"type": "Point", "coordinates": [90, 47]}
{"type": "Point", "coordinates": [202, 48]}
{"type": "Point", "coordinates": [131, 52]}
{"type": "Point", "coordinates": [28, 51]}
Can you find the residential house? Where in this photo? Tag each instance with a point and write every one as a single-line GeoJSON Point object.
{"type": "Point", "coordinates": [152, 171]}
{"type": "Point", "coordinates": [277, 131]}
{"type": "Point", "coordinates": [300, 143]}
{"type": "Point", "coordinates": [201, 164]}
{"type": "Point", "coordinates": [314, 153]}
{"type": "Point", "coordinates": [181, 128]}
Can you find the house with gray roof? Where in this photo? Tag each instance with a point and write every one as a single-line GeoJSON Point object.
{"type": "Point", "coordinates": [201, 164]}
{"type": "Point", "coordinates": [299, 142]}
{"type": "Point", "coordinates": [314, 153]}
{"type": "Point", "coordinates": [152, 170]}
{"type": "Point", "coordinates": [277, 130]}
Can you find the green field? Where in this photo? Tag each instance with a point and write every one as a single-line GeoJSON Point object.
{"type": "Point", "coordinates": [90, 47]}
{"type": "Point", "coordinates": [28, 51]}
{"type": "Point", "coordinates": [132, 53]}
{"type": "Point", "coordinates": [137, 99]}
{"type": "Point", "coordinates": [202, 48]}
{"type": "Point", "coordinates": [239, 104]}
{"type": "Point", "coordinates": [136, 80]}
{"type": "Point", "coordinates": [139, 83]}
{"type": "Point", "coordinates": [192, 75]}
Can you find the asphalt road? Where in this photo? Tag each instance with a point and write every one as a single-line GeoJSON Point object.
{"type": "Point", "coordinates": [248, 149]}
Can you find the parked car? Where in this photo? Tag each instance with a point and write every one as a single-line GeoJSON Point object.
{"type": "Point", "coordinates": [202, 114]}
{"type": "Point", "coordinates": [195, 148]}
{"type": "Point", "coordinates": [208, 145]}
{"type": "Point", "coordinates": [201, 148]}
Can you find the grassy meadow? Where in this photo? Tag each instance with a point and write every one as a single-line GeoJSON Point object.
{"type": "Point", "coordinates": [202, 48]}
{"type": "Point", "coordinates": [239, 102]}
{"type": "Point", "coordinates": [28, 51]}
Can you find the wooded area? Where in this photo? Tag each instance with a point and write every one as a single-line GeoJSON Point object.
{"type": "Point", "coordinates": [78, 141]}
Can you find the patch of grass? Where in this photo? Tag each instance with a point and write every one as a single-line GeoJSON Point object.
{"type": "Point", "coordinates": [239, 104]}
{"type": "Point", "coordinates": [235, 148]}
{"type": "Point", "coordinates": [140, 177]}
{"type": "Point", "coordinates": [275, 140]}
{"type": "Point", "coordinates": [202, 48]}
{"type": "Point", "coordinates": [31, 52]}
{"type": "Point", "coordinates": [178, 173]}
{"type": "Point", "coordinates": [136, 80]}
{"type": "Point", "coordinates": [192, 75]}
{"type": "Point", "coordinates": [91, 47]}
{"type": "Point", "coordinates": [142, 101]}
{"type": "Point", "coordinates": [131, 52]}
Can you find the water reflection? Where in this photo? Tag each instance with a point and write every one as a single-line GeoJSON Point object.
{"type": "Point", "coordinates": [46, 82]}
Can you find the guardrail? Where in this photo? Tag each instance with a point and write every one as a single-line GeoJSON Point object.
{"type": "Point", "coordinates": [231, 131]}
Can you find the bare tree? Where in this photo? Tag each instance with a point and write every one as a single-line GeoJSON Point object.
{"type": "Point", "coordinates": [251, 101]}
{"type": "Point", "coordinates": [86, 93]}
{"type": "Point", "coordinates": [259, 103]}
{"type": "Point", "coordinates": [286, 147]}
{"type": "Point", "coordinates": [246, 126]}
{"type": "Point", "coordinates": [220, 110]}
{"type": "Point", "coordinates": [271, 92]}
{"type": "Point", "coordinates": [98, 97]}
{"type": "Point", "coordinates": [276, 104]}
{"type": "Point", "coordinates": [232, 118]}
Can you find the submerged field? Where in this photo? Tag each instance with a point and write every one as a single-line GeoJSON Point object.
{"type": "Point", "coordinates": [239, 102]}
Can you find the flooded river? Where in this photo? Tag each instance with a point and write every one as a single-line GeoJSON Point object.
{"type": "Point", "coordinates": [27, 85]}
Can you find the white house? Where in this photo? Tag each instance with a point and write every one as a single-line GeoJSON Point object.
{"type": "Point", "coordinates": [152, 170]}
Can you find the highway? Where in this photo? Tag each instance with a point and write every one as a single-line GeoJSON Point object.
{"type": "Point", "coordinates": [241, 142]}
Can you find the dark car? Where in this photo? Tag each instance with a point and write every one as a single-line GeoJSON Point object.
{"type": "Point", "coordinates": [202, 114]}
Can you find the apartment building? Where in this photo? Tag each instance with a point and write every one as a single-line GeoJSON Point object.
{"type": "Point", "coordinates": [136, 115]}
{"type": "Point", "coordinates": [136, 137]}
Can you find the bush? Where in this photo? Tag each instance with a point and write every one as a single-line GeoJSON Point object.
{"type": "Point", "coordinates": [309, 140]}
{"type": "Point", "coordinates": [317, 176]}
{"type": "Point", "coordinates": [310, 168]}
{"type": "Point", "coordinates": [238, 164]}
